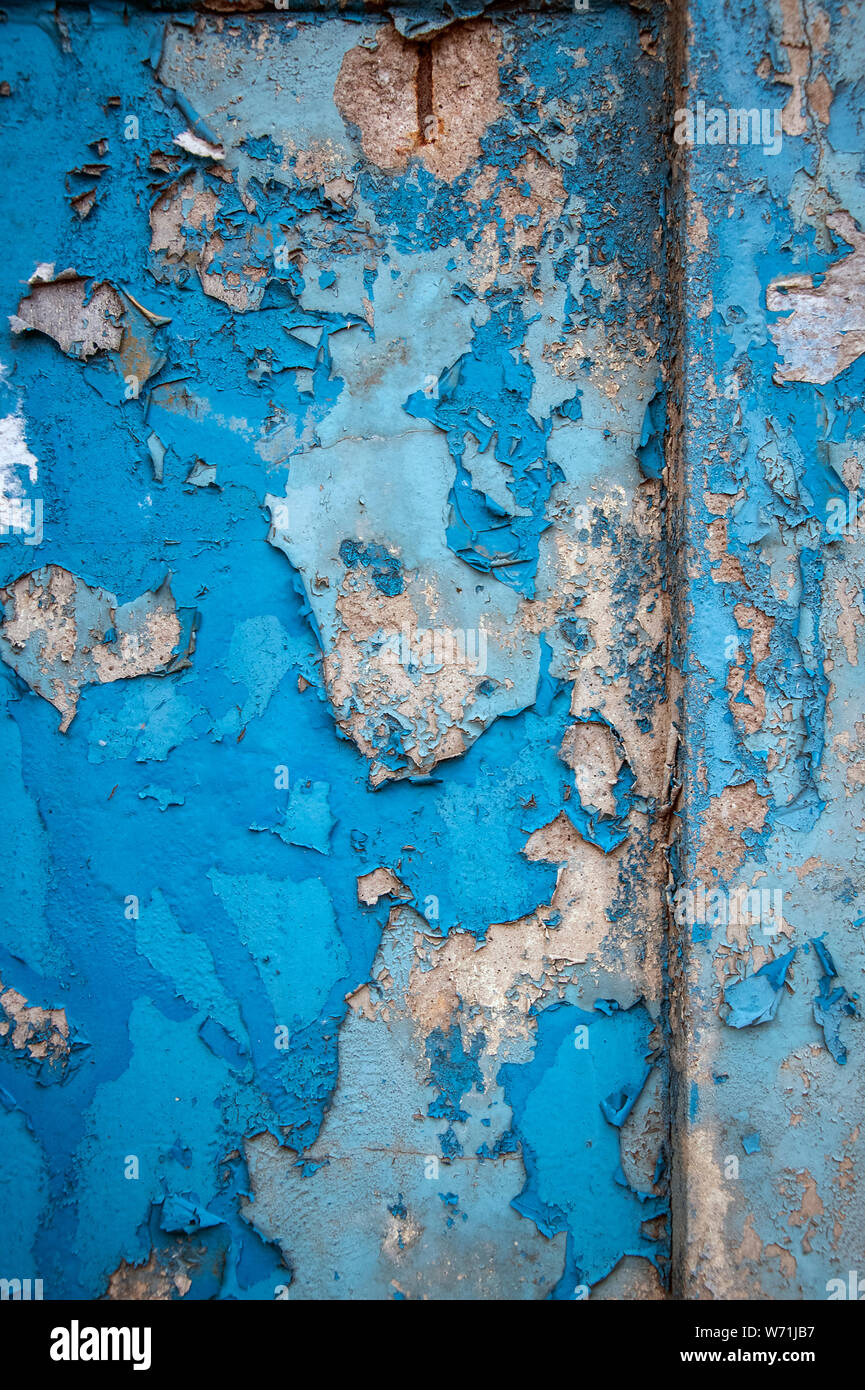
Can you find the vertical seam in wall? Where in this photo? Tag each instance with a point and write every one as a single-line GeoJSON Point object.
{"type": "Point", "coordinates": [424, 90]}
{"type": "Point", "coordinates": [675, 1001]}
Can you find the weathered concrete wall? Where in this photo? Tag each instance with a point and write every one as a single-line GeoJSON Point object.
{"type": "Point", "coordinates": [769, 631]}
{"type": "Point", "coordinates": [399, 456]}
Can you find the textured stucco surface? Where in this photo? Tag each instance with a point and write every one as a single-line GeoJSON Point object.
{"type": "Point", "coordinates": [437, 592]}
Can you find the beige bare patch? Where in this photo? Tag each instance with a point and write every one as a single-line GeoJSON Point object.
{"type": "Point", "coordinates": [432, 100]}
{"type": "Point", "coordinates": [43, 1033]}
{"type": "Point", "coordinates": [722, 848]}
{"type": "Point", "coordinates": [430, 701]}
{"type": "Point", "coordinates": [747, 699]}
{"type": "Point", "coordinates": [156, 1281]}
{"type": "Point", "coordinates": [591, 751]}
{"type": "Point", "coordinates": [189, 205]}
{"type": "Point", "coordinates": [810, 1210]}
{"type": "Point", "coordinates": [380, 883]}
{"type": "Point", "coordinates": [849, 618]}
{"type": "Point", "coordinates": [751, 1247]}
{"type": "Point", "coordinates": [82, 317]}
{"type": "Point", "coordinates": [41, 636]}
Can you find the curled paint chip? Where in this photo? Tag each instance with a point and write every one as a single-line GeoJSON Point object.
{"type": "Point", "coordinates": [755, 999]}
{"type": "Point", "coordinates": [831, 1004]}
{"type": "Point", "coordinates": [183, 1214]}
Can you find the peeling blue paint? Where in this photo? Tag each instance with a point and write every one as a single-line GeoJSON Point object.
{"type": "Point", "coordinates": [389, 501]}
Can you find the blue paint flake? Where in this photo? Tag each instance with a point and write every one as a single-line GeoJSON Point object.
{"type": "Point", "coordinates": [756, 998]}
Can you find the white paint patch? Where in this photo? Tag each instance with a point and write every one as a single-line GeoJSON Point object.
{"type": "Point", "coordinates": [16, 460]}
{"type": "Point", "coordinates": [825, 332]}
{"type": "Point", "coordinates": [187, 140]}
